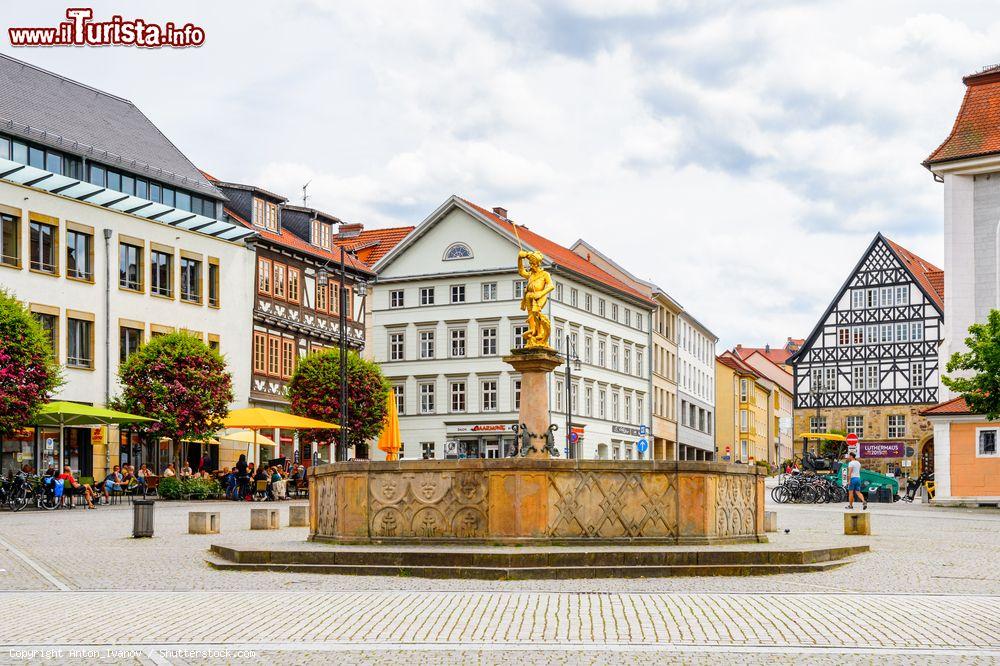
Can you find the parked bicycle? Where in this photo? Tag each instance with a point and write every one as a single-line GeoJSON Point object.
{"type": "Point", "coordinates": [15, 492]}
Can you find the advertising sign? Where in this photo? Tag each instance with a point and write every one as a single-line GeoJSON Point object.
{"type": "Point", "coordinates": [881, 449]}
{"type": "Point", "coordinates": [625, 430]}
{"type": "Point", "coordinates": [480, 427]}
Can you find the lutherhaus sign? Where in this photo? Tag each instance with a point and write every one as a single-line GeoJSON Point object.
{"type": "Point", "coordinates": [885, 449]}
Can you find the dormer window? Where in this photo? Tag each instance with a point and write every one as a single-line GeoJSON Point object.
{"type": "Point", "coordinates": [265, 214]}
{"type": "Point", "coordinates": [457, 251]}
{"type": "Point", "coordinates": [322, 234]}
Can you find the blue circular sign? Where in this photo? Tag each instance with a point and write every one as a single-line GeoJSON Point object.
{"type": "Point", "coordinates": [573, 437]}
{"type": "Point", "coordinates": [642, 446]}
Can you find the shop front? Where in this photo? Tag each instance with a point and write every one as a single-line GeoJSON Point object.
{"type": "Point", "coordinates": [479, 440]}
{"type": "Point", "coordinates": [40, 447]}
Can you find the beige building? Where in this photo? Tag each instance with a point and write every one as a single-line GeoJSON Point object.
{"type": "Point", "coordinates": [772, 367]}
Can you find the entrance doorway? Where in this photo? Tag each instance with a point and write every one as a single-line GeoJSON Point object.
{"type": "Point", "coordinates": [927, 457]}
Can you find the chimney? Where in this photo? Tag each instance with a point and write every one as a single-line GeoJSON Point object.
{"type": "Point", "coordinates": [739, 346]}
{"type": "Point", "coordinates": [500, 212]}
{"type": "Point", "coordinates": [350, 230]}
{"type": "Point", "coordinates": [767, 348]}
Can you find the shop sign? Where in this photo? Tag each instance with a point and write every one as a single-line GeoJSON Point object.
{"type": "Point", "coordinates": [97, 436]}
{"type": "Point", "coordinates": [50, 444]}
{"type": "Point", "coordinates": [480, 427]}
{"type": "Point", "coordinates": [625, 430]}
{"type": "Point", "coordinates": [881, 449]}
{"type": "Point", "coordinates": [24, 435]}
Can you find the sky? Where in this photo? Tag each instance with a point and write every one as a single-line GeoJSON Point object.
{"type": "Point", "coordinates": [739, 155]}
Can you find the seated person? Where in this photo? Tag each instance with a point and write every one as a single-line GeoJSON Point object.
{"type": "Point", "coordinates": [72, 487]}
{"type": "Point", "coordinates": [169, 471]}
{"type": "Point", "coordinates": [186, 471]}
{"type": "Point", "coordinates": [113, 483]}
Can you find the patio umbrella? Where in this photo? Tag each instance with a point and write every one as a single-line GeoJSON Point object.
{"type": "Point", "coordinates": [62, 413]}
{"type": "Point", "coordinates": [389, 439]}
{"type": "Point", "coordinates": [247, 437]}
{"type": "Point", "coordinates": [255, 418]}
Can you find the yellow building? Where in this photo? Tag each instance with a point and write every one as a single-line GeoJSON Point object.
{"type": "Point", "coordinates": [745, 412]}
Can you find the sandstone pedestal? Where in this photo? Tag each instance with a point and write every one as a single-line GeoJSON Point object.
{"type": "Point", "coordinates": [858, 523]}
{"type": "Point", "coordinates": [770, 521]}
{"type": "Point", "coordinates": [534, 364]}
{"type": "Point", "coordinates": [298, 515]}
{"type": "Point", "coordinates": [264, 519]}
{"type": "Point", "coordinates": [203, 522]}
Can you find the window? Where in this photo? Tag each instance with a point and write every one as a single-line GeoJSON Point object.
{"type": "Point", "coordinates": [574, 343]}
{"type": "Point", "coordinates": [903, 295]}
{"type": "Point", "coordinates": [397, 344]}
{"type": "Point", "coordinates": [213, 341]}
{"type": "Point", "coordinates": [10, 240]}
{"type": "Point", "coordinates": [129, 339]}
{"type": "Point", "coordinates": [129, 267]}
{"type": "Point", "coordinates": [744, 388]}
{"type": "Point", "coordinates": [559, 338]}
{"type": "Point", "coordinates": [856, 426]}
{"type": "Point", "coordinates": [830, 379]}
{"type": "Point", "coordinates": [277, 282]}
{"type": "Point", "coordinates": [322, 298]}
{"type": "Point", "coordinates": [79, 343]}
{"type": "Point", "coordinates": [263, 275]}
{"type": "Point", "coordinates": [519, 286]}
{"type": "Point", "coordinates": [885, 297]}
{"type": "Point", "coordinates": [986, 443]}
{"type": "Point", "coordinates": [614, 405]}
{"type": "Point", "coordinates": [489, 403]}
{"type": "Point", "coordinates": [744, 420]}
{"type": "Point", "coordinates": [489, 291]}
{"type": "Point", "coordinates": [614, 311]}
{"type": "Point", "coordinates": [458, 293]}
{"type": "Point", "coordinates": [744, 450]}
{"type": "Point", "coordinates": [457, 390]}
{"type": "Point", "coordinates": [80, 255]}
{"type": "Point", "coordinates": [274, 356]}
{"type": "Point", "coordinates": [399, 390]}
{"type": "Point", "coordinates": [489, 340]}
{"type": "Point", "coordinates": [601, 353]}
{"type": "Point", "coordinates": [191, 280]}
{"type": "Point", "coordinates": [427, 398]}
{"type": "Point", "coordinates": [897, 426]}
{"type": "Point", "coordinates": [265, 213]}
{"type": "Point", "coordinates": [573, 296]}
{"type": "Point", "coordinates": [43, 247]}
{"type": "Point", "coordinates": [558, 295]}
{"type": "Point", "coordinates": [858, 378]}
{"type": "Point", "coordinates": [287, 358]}
{"type": "Point", "coordinates": [396, 298]}
{"type": "Point", "coordinates": [518, 335]}
{"type": "Point", "coordinates": [588, 302]}
{"type": "Point", "coordinates": [628, 408]}
{"type": "Point", "coordinates": [457, 251]}
{"type": "Point", "coordinates": [614, 356]}
{"type": "Point", "coordinates": [817, 424]}
{"type": "Point", "coordinates": [858, 335]}
{"type": "Point", "coordinates": [588, 349]}
{"type": "Point", "coordinates": [640, 408]}
{"type": "Point", "coordinates": [321, 234]}
{"type": "Point", "coordinates": [50, 324]}
{"type": "Point", "coordinates": [602, 397]}
{"type": "Point", "coordinates": [516, 395]}
{"type": "Point", "coordinates": [917, 378]}
{"type": "Point", "coordinates": [628, 317]}
{"type": "Point", "coordinates": [559, 396]}
{"type": "Point", "coordinates": [627, 361]}
{"type": "Point", "coordinates": [213, 283]}
{"type": "Point", "coordinates": [902, 332]}
{"type": "Point", "coordinates": [844, 336]}
{"type": "Point", "coordinates": [260, 353]}
{"type": "Point", "coordinates": [161, 266]}
{"type": "Point", "coordinates": [886, 333]}
{"type": "Point", "coordinates": [427, 295]}
{"type": "Point", "coordinates": [874, 380]}
{"type": "Point", "coordinates": [871, 298]}
{"type": "Point", "coordinates": [457, 342]}
{"type": "Point", "coordinates": [600, 306]}
{"type": "Point", "coordinates": [872, 335]}
{"type": "Point", "coordinates": [916, 331]}
{"type": "Point", "coordinates": [426, 344]}
{"type": "Point", "coordinates": [427, 450]}
{"type": "Point", "coordinates": [588, 400]}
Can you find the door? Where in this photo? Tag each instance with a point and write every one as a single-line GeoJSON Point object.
{"type": "Point", "coordinates": [927, 457]}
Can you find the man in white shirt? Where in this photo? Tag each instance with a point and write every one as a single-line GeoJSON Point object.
{"type": "Point", "coordinates": [854, 483]}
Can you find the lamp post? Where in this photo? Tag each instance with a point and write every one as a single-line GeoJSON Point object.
{"type": "Point", "coordinates": [572, 361]}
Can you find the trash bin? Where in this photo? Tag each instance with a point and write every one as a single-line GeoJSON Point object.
{"type": "Point", "coordinates": [142, 518]}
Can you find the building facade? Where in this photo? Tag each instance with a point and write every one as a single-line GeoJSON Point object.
{"type": "Point", "coordinates": [110, 236]}
{"type": "Point", "coordinates": [774, 367]}
{"type": "Point", "coordinates": [745, 412]}
{"type": "Point", "coordinates": [695, 389]}
{"type": "Point", "coordinates": [870, 366]}
{"type": "Point", "coordinates": [446, 309]}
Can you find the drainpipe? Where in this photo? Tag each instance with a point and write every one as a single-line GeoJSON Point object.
{"type": "Point", "coordinates": [107, 342]}
{"type": "Point", "coordinates": [997, 264]}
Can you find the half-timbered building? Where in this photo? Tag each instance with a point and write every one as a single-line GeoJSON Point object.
{"type": "Point", "coordinates": [871, 363]}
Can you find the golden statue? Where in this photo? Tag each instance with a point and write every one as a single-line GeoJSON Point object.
{"type": "Point", "coordinates": [536, 293]}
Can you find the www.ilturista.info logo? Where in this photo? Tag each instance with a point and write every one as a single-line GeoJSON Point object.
{"type": "Point", "coordinates": [82, 30]}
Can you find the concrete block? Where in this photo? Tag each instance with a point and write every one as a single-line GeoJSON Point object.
{"type": "Point", "coordinates": [203, 522]}
{"type": "Point", "coordinates": [264, 519]}
{"type": "Point", "coordinates": [770, 521]}
{"type": "Point", "coordinates": [858, 523]}
{"type": "Point", "coordinates": [298, 515]}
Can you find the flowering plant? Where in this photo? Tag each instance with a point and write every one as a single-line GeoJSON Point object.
{"type": "Point", "coordinates": [29, 373]}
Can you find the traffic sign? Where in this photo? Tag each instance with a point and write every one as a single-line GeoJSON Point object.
{"type": "Point", "coordinates": [642, 430]}
{"type": "Point", "coordinates": [573, 437]}
{"type": "Point", "coordinates": [642, 445]}
{"type": "Point", "coordinates": [728, 449]}
{"type": "Point", "coordinates": [852, 439]}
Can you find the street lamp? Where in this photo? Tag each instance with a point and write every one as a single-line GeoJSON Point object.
{"type": "Point", "coordinates": [572, 363]}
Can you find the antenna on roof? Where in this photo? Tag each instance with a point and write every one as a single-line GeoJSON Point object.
{"type": "Point", "coordinates": [305, 195]}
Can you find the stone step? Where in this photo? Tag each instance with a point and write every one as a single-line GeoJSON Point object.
{"type": "Point", "coordinates": [530, 573]}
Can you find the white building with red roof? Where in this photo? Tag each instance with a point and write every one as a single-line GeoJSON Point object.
{"type": "Point", "coordinates": [446, 309]}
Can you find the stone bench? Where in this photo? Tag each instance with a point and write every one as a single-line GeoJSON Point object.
{"type": "Point", "coordinates": [298, 515]}
{"type": "Point", "coordinates": [858, 523]}
{"type": "Point", "coordinates": [770, 521]}
{"type": "Point", "coordinates": [264, 519]}
{"type": "Point", "coordinates": [203, 522]}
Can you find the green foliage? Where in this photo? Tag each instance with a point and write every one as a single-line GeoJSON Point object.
{"type": "Point", "coordinates": [172, 488]}
{"type": "Point", "coordinates": [830, 447]}
{"type": "Point", "coordinates": [169, 488]}
{"type": "Point", "coordinates": [314, 391]}
{"type": "Point", "coordinates": [29, 373]}
{"type": "Point", "coordinates": [981, 388]}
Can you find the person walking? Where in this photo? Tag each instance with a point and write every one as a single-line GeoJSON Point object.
{"type": "Point", "coordinates": [854, 483]}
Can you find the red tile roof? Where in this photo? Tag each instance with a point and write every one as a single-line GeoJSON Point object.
{"type": "Point", "coordinates": [373, 244]}
{"type": "Point", "coordinates": [290, 240]}
{"type": "Point", "coordinates": [976, 130]}
{"type": "Point", "coordinates": [930, 277]}
{"type": "Point", "coordinates": [730, 360]}
{"type": "Point", "coordinates": [955, 406]}
{"type": "Point", "coordinates": [776, 355]}
{"type": "Point", "coordinates": [560, 255]}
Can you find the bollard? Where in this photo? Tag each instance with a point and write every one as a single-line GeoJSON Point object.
{"type": "Point", "coordinates": [264, 519]}
{"type": "Point", "coordinates": [142, 518]}
{"type": "Point", "coordinates": [203, 522]}
{"type": "Point", "coordinates": [298, 515]}
{"type": "Point", "coordinates": [858, 523]}
{"type": "Point", "coordinates": [770, 521]}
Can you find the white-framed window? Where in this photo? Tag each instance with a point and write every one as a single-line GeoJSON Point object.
{"type": "Point", "coordinates": [614, 406]}
{"type": "Point", "coordinates": [602, 353]}
{"type": "Point", "coordinates": [640, 408]}
{"type": "Point", "coordinates": [628, 317]}
{"type": "Point", "coordinates": [744, 390]}
{"type": "Point", "coordinates": [573, 297]}
{"type": "Point", "coordinates": [885, 297]}
{"type": "Point", "coordinates": [427, 450]}
{"type": "Point", "coordinates": [427, 295]}
{"type": "Point", "coordinates": [600, 306]}
{"type": "Point", "coordinates": [903, 294]}
{"type": "Point", "coordinates": [559, 335]}
{"type": "Point", "coordinates": [986, 443]}
{"type": "Point", "coordinates": [489, 394]}
{"type": "Point", "coordinates": [858, 299]}
{"type": "Point", "coordinates": [574, 392]}
{"type": "Point", "coordinates": [588, 302]}
{"type": "Point", "coordinates": [902, 332]}
{"type": "Point", "coordinates": [614, 311]}
{"type": "Point", "coordinates": [639, 366]}
{"type": "Point", "coordinates": [489, 291]}
{"type": "Point", "coordinates": [602, 401]}
{"type": "Point", "coordinates": [558, 294]}
{"type": "Point", "coordinates": [559, 396]}
{"type": "Point", "coordinates": [871, 298]}
{"type": "Point", "coordinates": [843, 336]}
{"type": "Point", "coordinates": [627, 361]}
{"type": "Point", "coordinates": [588, 349]}
{"type": "Point", "coordinates": [815, 379]}
{"type": "Point", "coordinates": [744, 450]}
{"type": "Point", "coordinates": [457, 342]}
{"type": "Point", "coordinates": [830, 379]}
{"type": "Point", "coordinates": [858, 378]}
{"type": "Point", "coordinates": [858, 335]}
{"type": "Point", "coordinates": [628, 408]}
{"type": "Point", "coordinates": [917, 378]}
{"type": "Point", "coordinates": [588, 400]}
{"type": "Point", "coordinates": [426, 344]}
{"type": "Point", "coordinates": [638, 320]}
{"type": "Point", "coordinates": [457, 251]}
{"type": "Point", "coordinates": [872, 334]}
{"type": "Point", "coordinates": [916, 331]}
{"type": "Point", "coordinates": [488, 334]}
{"type": "Point", "coordinates": [397, 346]}
{"type": "Point", "coordinates": [817, 424]}
{"type": "Point", "coordinates": [519, 286]}
{"type": "Point", "coordinates": [458, 293]}
{"type": "Point", "coordinates": [515, 395]}
{"type": "Point", "coordinates": [744, 420]}
{"type": "Point", "coordinates": [886, 333]}
{"type": "Point", "coordinates": [574, 339]}
{"type": "Point", "coordinates": [396, 298]}
{"type": "Point", "coordinates": [517, 335]}
{"type": "Point", "coordinates": [897, 426]}
{"type": "Point", "coordinates": [856, 426]}
{"type": "Point", "coordinates": [399, 390]}
{"type": "Point", "coordinates": [427, 405]}
{"type": "Point", "coordinates": [614, 356]}
{"type": "Point", "coordinates": [874, 381]}
{"type": "Point", "coordinates": [457, 391]}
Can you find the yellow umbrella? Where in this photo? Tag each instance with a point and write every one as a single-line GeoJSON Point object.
{"type": "Point", "coordinates": [389, 440]}
{"type": "Point", "coordinates": [247, 437]}
{"type": "Point", "coordinates": [255, 418]}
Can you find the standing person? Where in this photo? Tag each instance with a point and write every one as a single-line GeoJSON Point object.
{"type": "Point", "coordinates": [242, 477]}
{"type": "Point", "coordinates": [854, 483]}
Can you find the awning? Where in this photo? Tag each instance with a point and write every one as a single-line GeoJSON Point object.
{"type": "Point", "coordinates": [60, 413]}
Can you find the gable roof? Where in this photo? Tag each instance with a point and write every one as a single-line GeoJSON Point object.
{"type": "Point", "coordinates": [919, 269]}
{"type": "Point", "coordinates": [954, 407]}
{"type": "Point", "coordinates": [776, 355]}
{"type": "Point", "coordinates": [976, 131]}
{"type": "Point", "coordinates": [733, 362]}
{"type": "Point", "coordinates": [372, 244]}
{"type": "Point", "coordinates": [55, 111]}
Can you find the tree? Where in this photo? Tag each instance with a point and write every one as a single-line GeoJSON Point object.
{"type": "Point", "coordinates": [314, 391]}
{"type": "Point", "coordinates": [981, 387]}
{"type": "Point", "coordinates": [181, 382]}
{"type": "Point", "coordinates": [29, 373]}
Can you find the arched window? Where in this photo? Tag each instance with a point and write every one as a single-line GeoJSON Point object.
{"type": "Point", "coordinates": [457, 251]}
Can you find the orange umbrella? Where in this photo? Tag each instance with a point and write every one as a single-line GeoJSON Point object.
{"type": "Point", "coordinates": [389, 440]}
